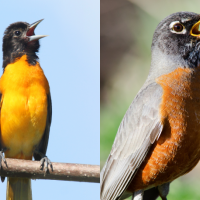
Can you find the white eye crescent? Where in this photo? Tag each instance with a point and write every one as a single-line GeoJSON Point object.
{"type": "Point", "coordinates": [177, 27]}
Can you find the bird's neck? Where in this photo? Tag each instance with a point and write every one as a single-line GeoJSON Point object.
{"type": "Point", "coordinates": [11, 58]}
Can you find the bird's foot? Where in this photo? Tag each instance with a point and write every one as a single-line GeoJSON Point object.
{"type": "Point", "coordinates": [2, 157]}
{"type": "Point", "coordinates": [45, 162]}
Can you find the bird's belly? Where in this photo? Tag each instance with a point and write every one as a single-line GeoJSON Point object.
{"type": "Point", "coordinates": [173, 155]}
{"type": "Point", "coordinates": [23, 120]}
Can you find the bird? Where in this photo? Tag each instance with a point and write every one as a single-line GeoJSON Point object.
{"type": "Point", "coordinates": [158, 138]}
{"type": "Point", "coordinates": [26, 107]}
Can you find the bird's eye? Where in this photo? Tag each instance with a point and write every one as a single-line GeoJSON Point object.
{"type": "Point", "coordinates": [17, 33]}
{"type": "Point", "coordinates": [178, 27]}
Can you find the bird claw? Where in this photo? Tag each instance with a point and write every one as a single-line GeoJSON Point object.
{"type": "Point", "coordinates": [2, 157]}
{"type": "Point", "coordinates": [45, 162]}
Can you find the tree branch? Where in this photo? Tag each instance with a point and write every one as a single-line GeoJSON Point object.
{"type": "Point", "coordinates": [61, 171]}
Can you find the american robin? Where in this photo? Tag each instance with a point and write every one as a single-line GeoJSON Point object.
{"type": "Point", "coordinates": [158, 138]}
{"type": "Point", "coordinates": [25, 109]}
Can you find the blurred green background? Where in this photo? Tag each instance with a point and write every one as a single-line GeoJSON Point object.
{"type": "Point", "coordinates": [127, 29]}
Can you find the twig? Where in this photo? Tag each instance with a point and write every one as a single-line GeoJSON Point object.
{"type": "Point", "coordinates": [61, 171]}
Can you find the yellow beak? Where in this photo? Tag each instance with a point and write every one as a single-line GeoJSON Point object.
{"type": "Point", "coordinates": [195, 30]}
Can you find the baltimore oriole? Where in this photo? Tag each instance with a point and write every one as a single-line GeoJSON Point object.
{"type": "Point", "coordinates": [25, 109]}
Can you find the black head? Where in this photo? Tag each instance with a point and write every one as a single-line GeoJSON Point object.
{"type": "Point", "coordinates": [19, 39]}
{"type": "Point", "coordinates": [179, 34]}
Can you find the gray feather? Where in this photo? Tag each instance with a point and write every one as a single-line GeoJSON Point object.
{"type": "Point", "coordinates": [139, 129]}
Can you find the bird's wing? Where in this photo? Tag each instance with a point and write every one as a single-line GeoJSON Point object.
{"type": "Point", "coordinates": [42, 147]}
{"type": "Point", "coordinates": [1, 101]}
{"type": "Point", "coordinates": [140, 127]}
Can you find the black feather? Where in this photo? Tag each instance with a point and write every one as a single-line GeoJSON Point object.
{"type": "Point", "coordinates": [16, 46]}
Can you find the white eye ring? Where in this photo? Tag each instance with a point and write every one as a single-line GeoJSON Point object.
{"type": "Point", "coordinates": [171, 26]}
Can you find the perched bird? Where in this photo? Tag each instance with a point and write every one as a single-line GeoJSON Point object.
{"type": "Point", "coordinates": [159, 137]}
{"type": "Point", "coordinates": [25, 109]}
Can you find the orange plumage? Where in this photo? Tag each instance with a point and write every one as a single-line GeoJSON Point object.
{"type": "Point", "coordinates": [23, 111]}
{"type": "Point", "coordinates": [172, 155]}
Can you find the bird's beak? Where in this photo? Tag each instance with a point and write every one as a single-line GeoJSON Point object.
{"type": "Point", "coordinates": [195, 30]}
{"type": "Point", "coordinates": [30, 32]}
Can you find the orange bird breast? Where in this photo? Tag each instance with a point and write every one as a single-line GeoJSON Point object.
{"type": "Point", "coordinates": [177, 151]}
{"type": "Point", "coordinates": [24, 90]}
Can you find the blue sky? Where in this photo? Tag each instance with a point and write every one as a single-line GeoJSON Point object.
{"type": "Point", "coordinates": [70, 58]}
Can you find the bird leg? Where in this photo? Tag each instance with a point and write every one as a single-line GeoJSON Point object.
{"type": "Point", "coordinates": [138, 195]}
{"type": "Point", "coordinates": [163, 190]}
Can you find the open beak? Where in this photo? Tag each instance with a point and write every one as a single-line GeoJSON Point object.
{"type": "Point", "coordinates": [195, 30]}
{"type": "Point", "coordinates": [30, 32]}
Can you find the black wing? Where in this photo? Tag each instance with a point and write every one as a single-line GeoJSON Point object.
{"type": "Point", "coordinates": [0, 121]}
{"type": "Point", "coordinates": [42, 147]}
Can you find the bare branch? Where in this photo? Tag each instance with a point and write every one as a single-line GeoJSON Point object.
{"type": "Point", "coordinates": [61, 171]}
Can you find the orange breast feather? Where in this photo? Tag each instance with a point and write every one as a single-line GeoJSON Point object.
{"type": "Point", "coordinates": [177, 151]}
{"type": "Point", "coordinates": [24, 90]}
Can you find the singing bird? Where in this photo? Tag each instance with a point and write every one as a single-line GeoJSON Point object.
{"type": "Point", "coordinates": [25, 109]}
{"type": "Point", "coordinates": [158, 139]}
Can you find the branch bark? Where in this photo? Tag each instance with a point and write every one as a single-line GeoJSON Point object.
{"type": "Point", "coordinates": [61, 171]}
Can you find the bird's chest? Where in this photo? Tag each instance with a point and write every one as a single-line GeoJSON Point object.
{"type": "Point", "coordinates": [178, 148]}
{"type": "Point", "coordinates": [180, 112]}
{"type": "Point", "coordinates": [23, 111]}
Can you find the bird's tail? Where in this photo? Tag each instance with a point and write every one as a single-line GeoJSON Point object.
{"type": "Point", "coordinates": [18, 189]}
